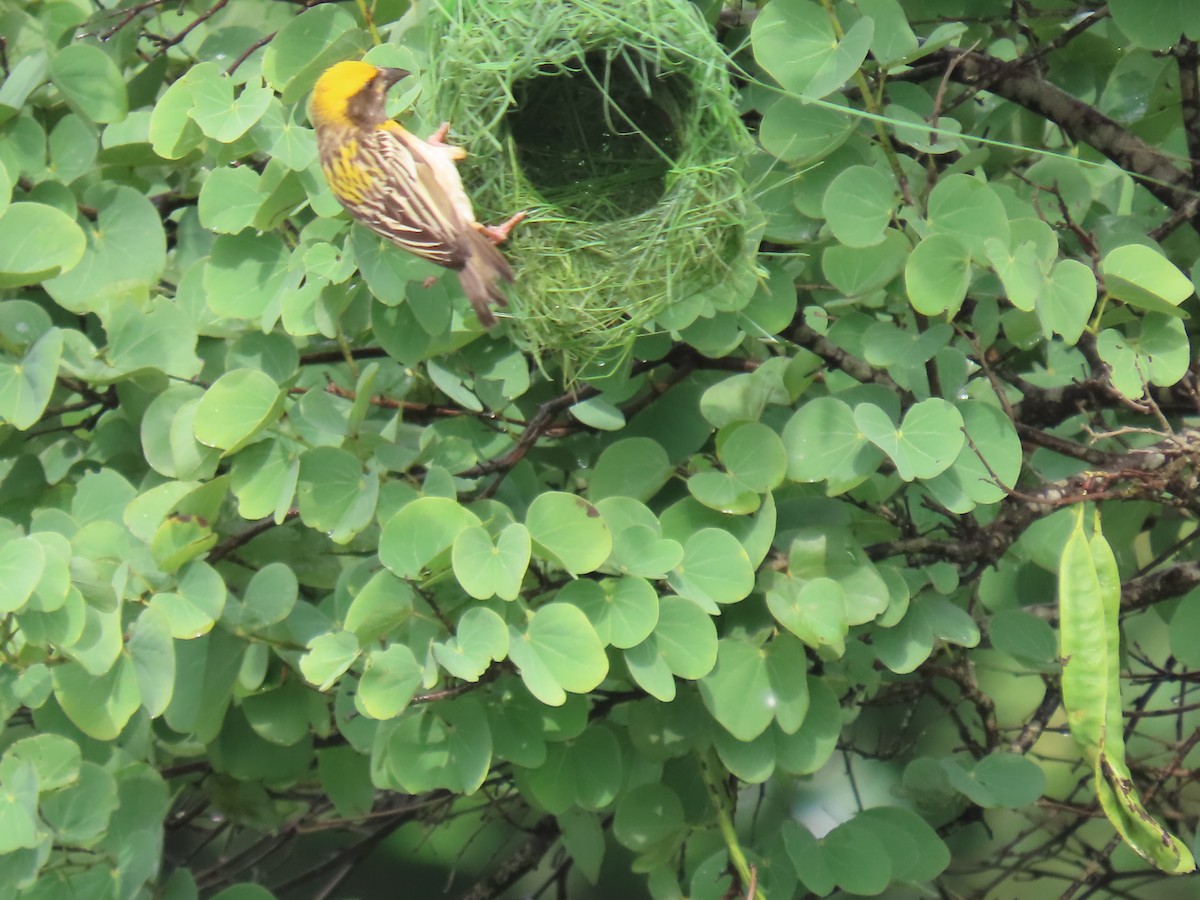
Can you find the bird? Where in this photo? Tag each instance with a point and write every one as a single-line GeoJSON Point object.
{"type": "Point", "coordinates": [402, 187]}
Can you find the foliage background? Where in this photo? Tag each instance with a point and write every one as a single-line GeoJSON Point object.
{"type": "Point", "coordinates": [297, 561]}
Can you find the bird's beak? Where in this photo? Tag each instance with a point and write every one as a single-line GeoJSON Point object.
{"type": "Point", "coordinates": [391, 76]}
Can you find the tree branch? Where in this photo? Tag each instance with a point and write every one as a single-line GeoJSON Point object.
{"type": "Point", "coordinates": [1017, 82]}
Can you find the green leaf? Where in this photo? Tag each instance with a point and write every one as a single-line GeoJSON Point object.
{"type": "Point", "coordinates": [485, 569]}
{"type": "Point", "coordinates": [26, 386]}
{"type": "Point", "coordinates": [1156, 24]}
{"type": "Point", "coordinates": [859, 203]}
{"type": "Point", "coordinates": [389, 681]}
{"type": "Point", "coordinates": [99, 705]}
{"type": "Point", "coordinates": [968, 209]}
{"type": "Point", "coordinates": [738, 692]}
{"type": "Point", "coordinates": [1001, 779]}
{"type": "Point", "coordinates": [80, 812]}
{"type": "Point", "coordinates": [639, 550]}
{"type": "Point", "coordinates": [753, 454]}
{"type": "Point", "coordinates": [924, 856]}
{"type": "Point", "coordinates": [559, 652]}
{"type": "Point", "coordinates": [37, 242]}
{"type": "Point", "coordinates": [152, 653]}
{"type": "Point", "coordinates": [244, 274]}
{"type": "Point", "coordinates": [991, 454]}
{"type": "Point", "coordinates": [335, 495]}
{"type": "Point", "coordinates": [894, 39]}
{"type": "Point", "coordinates": [172, 133]}
{"type": "Point", "coordinates": [125, 256]}
{"type": "Point", "coordinates": [245, 892]}
{"type": "Point", "coordinates": [823, 442]}
{"type": "Point", "coordinates": [907, 644]}
{"type": "Point", "coordinates": [26, 75]}
{"type": "Point", "coordinates": [264, 478]}
{"type": "Point", "coordinates": [903, 348]}
{"type": "Point", "coordinates": [583, 839]}
{"type": "Point", "coordinates": [685, 637]}
{"type": "Point", "coordinates": [346, 778]}
{"type": "Point", "coordinates": [926, 443]}
{"type": "Point", "coordinates": [220, 115]}
{"type": "Point", "coordinates": [237, 408]}
{"type": "Point", "coordinates": [949, 622]}
{"type": "Point", "coordinates": [417, 536]}
{"type": "Point", "coordinates": [857, 271]}
{"type": "Point", "coordinates": [800, 133]}
{"type": "Point", "coordinates": [814, 611]}
{"type": "Point", "coordinates": [1031, 640]}
{"type": "Point", "coordinates": [1153, 357]}
{"type": "Point", "coordinates": [22, 562]}
{"type": "Point", "coordinates": [724, 493]}
{"type": "Point", "coordinates": [794, 41]}
{"type": "Point", "coordinates": [195, 604]}
{"type": "Point", "coordinates": [937, 274]}
{"type": "Point", "coordinates": [90, 81]}
{"type": "Point", "coordinates": [632, 467]}
{"type": "Point", "coordinates": [383, 605]}
{"type": "Point", "coordinates": [18, 814]}
{"type": "Point", "coordinates": [206, 669]}
{"type": "Point", "coordinates": [229, 199]}
{"type": "Point", "coordinates": [278, 135]}
{"type": "Point", "coordinates": [451, 750]}
{"type": "Point", "coordinates": [1144, 278]}
{"type": "Point", "coordinates": [159, 336]}
{"type": "Point", "coordinates": [646, 815]}
{"type": "Point", "coordinates": [1020, 272]}
{"type": "Point", "coordinates": [808, 858]}
{"type": "Point", "coordinates": [279, 715]}
{"type": "Point", "coordinates": [480, 638]}
{"type": "Point", "coordinates": [858, 861]}
{"type": "Point", "coordinates": [811, 747]}
{"type": "Point", "coordinates": [269, 597]}
{"type": "Point", "coordinates": [328, 657]}
{"type": "Point", "coordinates": [1067, 299]}
{"type": "Point", "coordinates": [307, 44]}
{"type": "Point", "coordinates": [54, 758]}
{"type": "Point", "coordinates": [568, 530]}
{"type": "Point", "coordinates": [715, 569]}
{"type": "Point", "coordinates": [622, 610]}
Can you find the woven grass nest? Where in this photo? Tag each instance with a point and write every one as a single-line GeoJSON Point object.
{"type": "Point", "coordinates": [614, 123]}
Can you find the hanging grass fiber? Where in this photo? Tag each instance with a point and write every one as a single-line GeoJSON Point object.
{"type": "Point", "coordinates": [613, 122]}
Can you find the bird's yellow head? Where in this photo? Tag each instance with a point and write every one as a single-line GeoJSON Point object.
{"type": "Point", "coordinates": [353, 93]}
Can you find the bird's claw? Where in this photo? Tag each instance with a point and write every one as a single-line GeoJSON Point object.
{"type": "Point", "coordinates": [498, 234]}
{"type": "Point", "coordinates": [438, 138]}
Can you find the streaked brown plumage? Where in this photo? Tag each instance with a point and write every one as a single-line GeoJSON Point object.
{"type": "Point", "coordinates": [402, 187]}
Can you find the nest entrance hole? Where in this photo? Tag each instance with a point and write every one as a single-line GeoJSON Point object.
{"type": "Point", "coordinates": [598, 137]}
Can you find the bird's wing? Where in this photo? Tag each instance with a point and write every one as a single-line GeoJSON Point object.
{"type": "Point", "coordinates": [406, 202]}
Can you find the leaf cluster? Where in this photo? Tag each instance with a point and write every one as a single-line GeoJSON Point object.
{"type": "Point", "coordinates": [791, 599]}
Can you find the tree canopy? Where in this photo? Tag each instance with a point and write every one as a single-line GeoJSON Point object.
{"type": "Point", "coordinates": [860, 563]}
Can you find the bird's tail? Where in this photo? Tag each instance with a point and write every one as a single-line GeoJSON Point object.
{"type": "Point", "coordinates": [485, 267]}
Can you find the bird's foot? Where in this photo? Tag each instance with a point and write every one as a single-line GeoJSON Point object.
{"type": "Point", "coordinates": [498, 234]}
{"type": "Point", "coordinates": [438, 138]}
{"type": "Point", "coordinates": [430, 281]}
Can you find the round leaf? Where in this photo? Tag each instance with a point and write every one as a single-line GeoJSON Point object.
{"type": "Point", "coordinates": [389, 682]}
{"type": "Point", "coordinates": [420, 532]}
{"type": "Point", "coordinates": [715, 569]}
{"type": "Point", "coordinates": [238, 407]}
{"type": "Point", "coordinates": [37, 242]}
{"type": "Point", "coordinates": [485, 569]}
{"type": "Point", "coordinates": [90, 81]}
{"type": "Point", "coordinates": [858, 204]}
{"type": "Point", "coordinates": [569, 530]}
{"type": "Point", "coordinates": [559, 651]}
{"type": "Point", "coordinates": [937, 274]}
{"type": "Point", "coordinates": [968, 209]}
